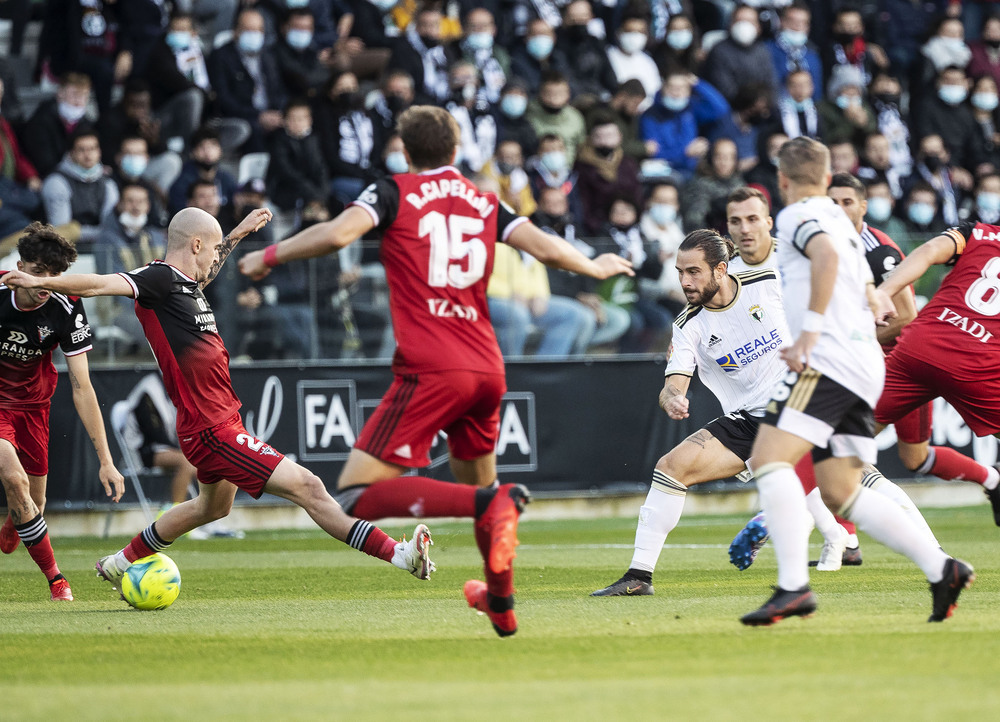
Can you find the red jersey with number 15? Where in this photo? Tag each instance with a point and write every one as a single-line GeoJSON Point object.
{"type": "Point", "coordinates": [959, 328]}
{"type": "Point", "coordinates": [438, 237]}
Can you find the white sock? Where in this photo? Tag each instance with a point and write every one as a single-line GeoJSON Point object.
{"type": "Point", "coordinates": [826, 522]}
{"type": "Point", "coordinates": [875, 481]}
{"type": "Point", "coordinates": [657, 518]}
{"type": "Point", "coordinates": [788, 522]}
{"type": "Point", "coordinates": [852, 541]}
{"type": "Point", "coordinates": [886, 522]}
{"type": "Point", "coordinates": [121, 562]}
{"type": "Point", "coordinates": [992, 478]}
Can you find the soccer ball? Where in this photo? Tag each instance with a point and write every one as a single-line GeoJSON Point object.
{"type": "Point", "coordinates": [152, 582]}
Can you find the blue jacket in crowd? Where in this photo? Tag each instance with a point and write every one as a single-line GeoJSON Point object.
{"type": "Point", "coordinates": [673, 131]}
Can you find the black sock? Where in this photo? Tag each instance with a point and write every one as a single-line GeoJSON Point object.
{"type": "Point", "coordinates": [640, 574]}
{"type": "Point", "coordinates": [484, 495]}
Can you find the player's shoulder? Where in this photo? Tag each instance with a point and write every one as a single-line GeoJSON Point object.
{"type": "Point", "coordinates": [756, 275]}
{"type": "Point", "coordinates": [64, 304]}
{"type": "Point", "coordinates": [686, 315]}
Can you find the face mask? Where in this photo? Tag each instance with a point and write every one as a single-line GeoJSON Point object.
{"type": "Point", "coordinates": [134, 165]}
{"type": "Point", "coordinates": [794, 38]}
{"type": "Point", "coordinates": [887, 98]}
{"type": "Point", "coordinates": [989, 202]}
{"type": "Point", "coordinates": [88, 175]}
{"type": "Point", "coordinates": [467, 92]}
{"type": "Point", "coordinates": [985, 101]}
{"type": "Point", "coordinates": [674, 104]}
{"type": "Point", "coordinates": [351, 99]}
{"type": "Point", "coordinates": [132, 222]}
{"type": "Point", "coordinates": [550, 109]}
{"type": "Point", "coordinates": [395, 162]}
{"type": "Point", "coordinates": [299, 39]}
{"type": "Point", "coordinates": [845, 38]}
{"type": "Point", "coordinates": [577, 33]}
{"type": "Point", "coordinates": [205, 165]}
{"type": "Point", "coordinates": [178, 40]}
{"type": "Point", "coordinates": [879, 209]}
{"type": "Point", "coordinates": [632, 42]}
{"type": "Point", "coordinates": [513, 105]}
{"type": "Point", "coordinates": [933, 163]}
{"type": "Point", "coordinates": [296, 3]}
{"type": "Point", "coordinates": [554, 161]}
{"type": "Point", "coordinates": [539, 46]}
{"type": "Point", "coordinates": [921, 213]}
{"type": "Point", "coordinates": [505, 168]}
{"type": "Point", "coordinates": [71, 113]}
{"type": "Point", "coordinates": [604, 151]}
{"type": "Point", "coordinates": [480, 41]}
{"type": "Point", "coordinates": [952, 94]}
{"type": "Point", "coordinates": [992, 43]}
{"type": "Point", "coordinates": [680, 39]}
{"type": "Point", "coordinates": [662, 213]}
{"type": "Point", "coordinates": [848, 101]}
{"type": "Point", "coordinates": [802, 106]}
{"type": "Point", "coordinates": [430, 42]}
{"type": "Point", "coordinates": [396, 103]}
{"type": "Point", "coordinates": [251, 41]}
{"type": "Point", "coordinates": [384, 5]}
{"type": "Point", "coordinates": [743, 32]}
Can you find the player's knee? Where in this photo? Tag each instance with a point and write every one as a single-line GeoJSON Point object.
{"type": "Point", "coordinates": [310, 486]}
{"type": "Point", "coordinates": [16, 485]}
{"type": "Point", "coordinates": [673, 467]}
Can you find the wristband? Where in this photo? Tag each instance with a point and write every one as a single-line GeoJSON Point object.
{"type": "Point", "coordinates": [813, 322]}
{"type": "Point", "coordinates": [271, 256]}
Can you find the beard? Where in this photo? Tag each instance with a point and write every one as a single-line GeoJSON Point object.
{"type": "Point", "coordinates": [700, 298]}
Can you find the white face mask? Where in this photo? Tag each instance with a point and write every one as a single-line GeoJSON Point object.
{"type": "Point", "coordinates": [132, 222]}
{"type": "Point", "coordinates": [743, 32]}
{"type": "Point", "coordinates": [71, 113]}
{"type": "Point", "coordinates": [632, 42]}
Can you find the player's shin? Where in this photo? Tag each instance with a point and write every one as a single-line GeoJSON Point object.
{"type": "Point", "coordinates": [657, 518]}
{"type": "Point", "coordinates": [35, 535]}
{"type": "Point", "coordinates": [788, 522]}
{"type": "Point", "coordinates": [874, 480]}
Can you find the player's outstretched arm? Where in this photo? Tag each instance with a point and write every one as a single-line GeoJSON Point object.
{"type": "Point", "coordinates": [905, 311]}
{"type": "Point", "coordinates": [673, 396]}
{"type": "Point", "coordinates": [937, 250]}
{"type": "Point", "coordinates": [558, 253]}
{"type": "Point", "coordinates": [255, 220]}
{"type": "Point", "coordinates": [75, 284]}
{"type": "Point", "coordinates": [312, 242]}
{"type": "Point", "coordinates": [85, 401]}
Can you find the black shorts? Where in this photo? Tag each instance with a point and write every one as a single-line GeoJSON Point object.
{"type": "Point", "coordinates": [736, 431]}
{"type": "Point", "coordinates": [831, 417]}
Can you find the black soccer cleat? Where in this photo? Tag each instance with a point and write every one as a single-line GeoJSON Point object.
{"type": "Point", "coordinates": [851, 558]}
{"type": "Point", "coordinates": [994, 496]}
{"type": "Point", "coordinates": [627, 586]}
{"type": "Point", "coordinates": [782, 604]}
{"type": "Point", "coordinates": [958, 575]}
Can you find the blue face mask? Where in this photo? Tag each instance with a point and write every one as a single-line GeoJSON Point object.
{"type": "Point", "coordinates": [921, 213]}
{"type": "Point", "coordinates": [989, 202]}
{"type": "Point", "coordinates": [985, 101]}
{"type": "Point", "coordinates": [554, 161]}
{"type": "Point", "coordinates": [662, 213]}
{"type": "Point", "coordinates": [134, 165]}
{"type": "Point", "coordinates": [396, 162]}
{"type": "Point", "coordinates": [89, 174]}
{"type": "Point", "coordinates": [794, 38]}
{"type": "Point", "coordinates": [384, 5]}
{"type": "Point", "coordinates": [879, 209]}
{"type": "Point", "coordinates": [802, 106]}
{"type": "Point", "coordinates": [292, 4]}
{"type": "Point", "coordinates": [299, 39]}
{"type": "Point", "coordinates": [251, 41]}
{"type": "Point", "coordinates": [539, 46]}
{"type": "Point", "coordinates": [513, 105]}
{"type": "Point", "coordinates": [680, 39]}
{"type": "Point", "coordinates": [178, 40]}
{"type": "Point", "coordinates": [674, 104]}
{"type": "Point", "coordinates": [479, 41]}
{"type": "Point", "coordinates": [847, 101]}
{"type": "Point", "coordinates": [952, 94]}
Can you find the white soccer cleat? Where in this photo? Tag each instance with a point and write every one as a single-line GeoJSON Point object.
{"type": "Point", "coordinates": [414, 555]}
{"type": "Point", "coordinates": [107, 569]}
{"type": "Point", "coordinates": [832, 556]}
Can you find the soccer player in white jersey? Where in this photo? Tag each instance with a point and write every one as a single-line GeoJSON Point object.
{"type": "Point", "coordinates": [730, 332]}
{"type": "Point", "coordinates": [824, 405]}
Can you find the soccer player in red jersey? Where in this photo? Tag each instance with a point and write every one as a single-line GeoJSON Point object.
{"type": "Point", "coordinates": [438, 237]}
{"type": "Point", "coordinates": [33, 323]}
{"type": "Point", "coordinates": [180, 327]}
{"type": "Point", "coordinates": [950, 349]}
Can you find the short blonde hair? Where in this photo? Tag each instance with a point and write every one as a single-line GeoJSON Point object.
{"type": "Point", "coordinates": [804, 161]}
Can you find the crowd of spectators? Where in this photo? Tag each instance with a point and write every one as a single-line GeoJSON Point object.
{"type": "Point", "coordinates": [619, 125]}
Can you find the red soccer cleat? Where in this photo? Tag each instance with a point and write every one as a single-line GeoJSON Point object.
{"type": "Point", "coordinates": [8, 536]}
{"type": "Point", "coordinates": [500, 522]}
{"type": "Point", "coordinates": [60, 591]}
{"type": "Point", "coordinates": [500, 610]}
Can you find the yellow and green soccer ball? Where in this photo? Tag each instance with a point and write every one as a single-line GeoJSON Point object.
{"type": "Point", "coordinates": [152, 582]}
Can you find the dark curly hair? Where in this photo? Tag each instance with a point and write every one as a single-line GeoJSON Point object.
{"type": "Point", "coordinates": [42, 245]}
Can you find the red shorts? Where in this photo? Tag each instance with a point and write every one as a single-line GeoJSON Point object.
{"type": "Point", "coordinates": [228, 452]}
{"type": "Point", "coordinates": [463, 404]}
{"type": "Point", "coordinates": [911, 383]}
{"type": "Point", "coordinates": [915, 427]}
{"type": "Point", "coordinates": [28, 431]}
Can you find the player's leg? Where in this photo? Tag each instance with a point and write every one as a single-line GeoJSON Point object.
{"type": "Point", "coordinates": [184, 472]}
{"type": "Point", "coordinates": [874, 480]}
{"type": "Point", "coordinates": [27, 519]}
{"type": "Point", "coordinates": [711, 453]}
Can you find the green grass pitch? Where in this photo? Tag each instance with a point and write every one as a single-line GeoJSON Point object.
{"type": "Point", "coordinates": [294, 626]}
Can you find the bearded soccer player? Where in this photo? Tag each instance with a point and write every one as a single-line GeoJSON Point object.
{"type": "Point", "coordinates": [34, 322]}
{"type": "Point", "coordinates": [438, 237]}
{"type": "Point", "coordinates": [914, 429]}
{"type": "Point", "coordinates": [824, 405]}
{"type": "Point", "coordinates": [180, 327]}
{"type": "Point", "coordinates": [949, 350]}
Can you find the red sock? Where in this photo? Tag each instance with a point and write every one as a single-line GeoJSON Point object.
{"type": "Point", "coordinates": [804, 470]}
{"type": "Point", "coordinates": [380, 545]}
{"type": "Point", "coordinates": [499, 585]}
{"type": "Point", "coordinates": [849, 525]}
{"type": "Point", "coordinates": [145, 543]}
{"type": "Point", "coordinates": [949, 465]}
{"type": "Point", "coordinates": [415, 496]}
{"type": "Point", "coordinates": [44, 557]}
